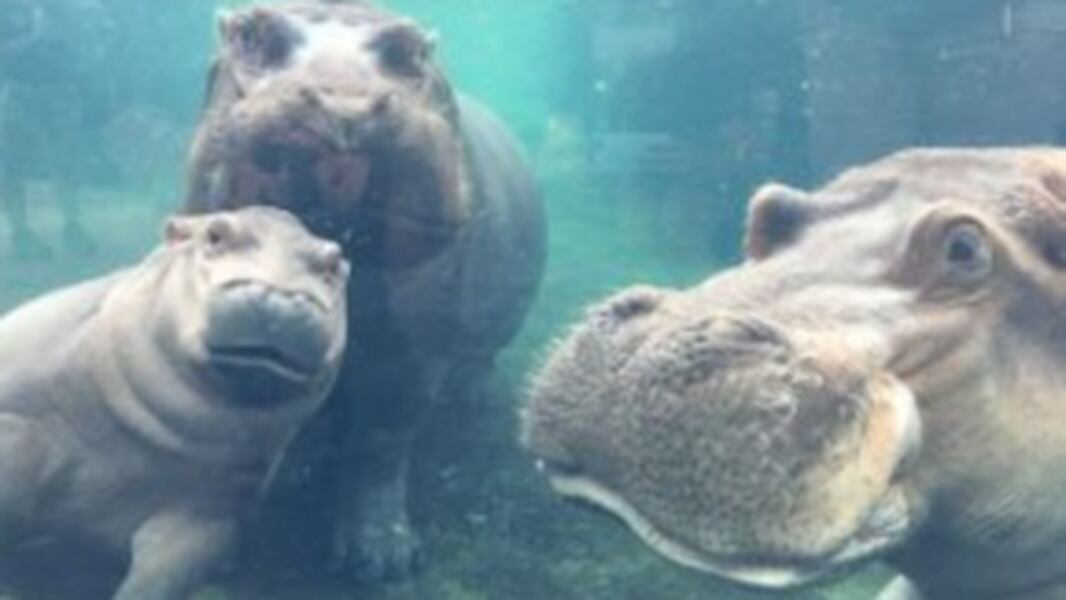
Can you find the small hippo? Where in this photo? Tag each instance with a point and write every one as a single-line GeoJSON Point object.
{"type": "Point", "coordinates": [338, 112]}
{"type": "Point", "coordinates": [882, 378]}
{"type": "Point", "coordinates": [143, 411]}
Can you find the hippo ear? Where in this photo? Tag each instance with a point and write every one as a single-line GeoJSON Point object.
{"type": "Point", "coordinates": [177, 230]}
{"type": "Point", "coordinates": [776, 216]}
{"type": "Point", "coordinates": [403, 48]}
{"type": "Point", "coordinates": [257, 39]}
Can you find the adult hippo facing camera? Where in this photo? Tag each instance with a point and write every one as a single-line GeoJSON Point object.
{"type": "Point", "coordinates": [142, 412]}
{"type": "Point", "coordinates": [338, 112]}
{"type": "Point", "coordinates": [881, 379]}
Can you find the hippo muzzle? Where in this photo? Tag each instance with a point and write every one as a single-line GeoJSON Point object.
{"type": "Point", "coordinates": [760, 443]}
{"type": "Point", "coordinates": [263, 336]}
{"type": "Point", "coordinates": [300, 140]}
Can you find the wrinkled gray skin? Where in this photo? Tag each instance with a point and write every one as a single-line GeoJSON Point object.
{"type": "Point", "coordinates": [143, 411]}
{"type": "Point", "coordinates": [881, 379]}
{"type": "Point", "coordinates": [338, 112]}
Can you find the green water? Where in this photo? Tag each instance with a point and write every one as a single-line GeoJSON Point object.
{"type": "Point", "coordinates": [733, 93]}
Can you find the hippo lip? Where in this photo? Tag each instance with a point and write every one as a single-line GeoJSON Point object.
{"type": "Point", "coordinates": [883, 529]}
{"type": "Point", "coordinates": [886, 523]}
{"type": "Point", "coordinates": [263, 356]}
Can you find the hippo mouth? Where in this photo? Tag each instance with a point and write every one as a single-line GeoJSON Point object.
{"type": "Point", "coordinates": [323, 185]}
{"type": "Point", "coordinates": [257, 332]}
{"type": "Point", "coordinates": [259, 357]}
{"type": "Point", "coordinates": [884, 528]}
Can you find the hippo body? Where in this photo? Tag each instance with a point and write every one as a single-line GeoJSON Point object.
{"type": "Point", "coordinates": [880, 379]}
{"type": "Point", "coordinates": [338, 112]}
{"type": "Point", "coordinates": [140, 413]}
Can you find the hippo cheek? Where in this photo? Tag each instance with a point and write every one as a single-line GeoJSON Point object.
{"type": "Point", "coordinates": [265, 343]}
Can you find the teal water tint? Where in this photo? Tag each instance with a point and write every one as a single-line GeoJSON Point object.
{"type": "Point", "coordinates": [648, 123]}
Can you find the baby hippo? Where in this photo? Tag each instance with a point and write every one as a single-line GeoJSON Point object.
{"type": "Point", "coordinates": [143, 411]}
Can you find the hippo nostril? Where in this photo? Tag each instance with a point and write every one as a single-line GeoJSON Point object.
{"type": "Point", "coordinates": [382, 104]}
{"type": "Point", "coordinates": [310, 96]}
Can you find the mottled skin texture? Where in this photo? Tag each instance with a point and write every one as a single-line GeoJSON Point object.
{"type": "Point", "coordinates": [880, 379]}
{"type": "Point", "coordinates": [140, 413]}
{"type": "Point", "coordinates": [339, 112]}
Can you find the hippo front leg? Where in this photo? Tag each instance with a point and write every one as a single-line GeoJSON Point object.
{"type": "Point", "coordinates": [172, 553]}
{"type": "Point", "coordinates": [373, 538]}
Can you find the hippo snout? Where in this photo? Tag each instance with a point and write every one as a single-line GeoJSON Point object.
{"type": "Point", "coordinates": [256, 331]}
{"type": "Point", "coordinates": [775, 459]}
{"type": "Point", "coordinates": [310, 146]}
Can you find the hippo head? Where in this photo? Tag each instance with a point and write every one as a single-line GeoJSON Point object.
{"type": "Point", "coordinates": [881, 377]}
{"type": "Point", "coordinates": [247, 308]}
{"type": "Point", "coordinates": [337, 112]}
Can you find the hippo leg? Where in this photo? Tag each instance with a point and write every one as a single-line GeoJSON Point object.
{"type": "Point", "coordinates": [900, 589]}
{"type": "Point", "coordinates": [27, 244]}
{"type": "Point", "coordinates": [171, 552]}
{"type": "Point", "coordinates": [373, 537]}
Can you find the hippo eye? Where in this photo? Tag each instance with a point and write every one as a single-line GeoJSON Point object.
{"type": "Point", "coordinates": [965, 251]}
{"type": "Point", "coordinates": [219, 234]}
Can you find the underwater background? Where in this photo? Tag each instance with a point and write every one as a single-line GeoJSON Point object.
{"type": "Point", "coordinates": [649, 123]}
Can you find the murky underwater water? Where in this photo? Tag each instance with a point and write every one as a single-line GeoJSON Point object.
{"type": "Point", "coordinates": [648, 123]}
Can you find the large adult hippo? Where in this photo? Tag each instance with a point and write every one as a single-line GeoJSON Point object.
{"type": "Point", "coordinates": [141, 412]}
{"type": "Point", "coordinates": [882, 378]}
{"type": "Point", "coordinates": [338, 112]}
